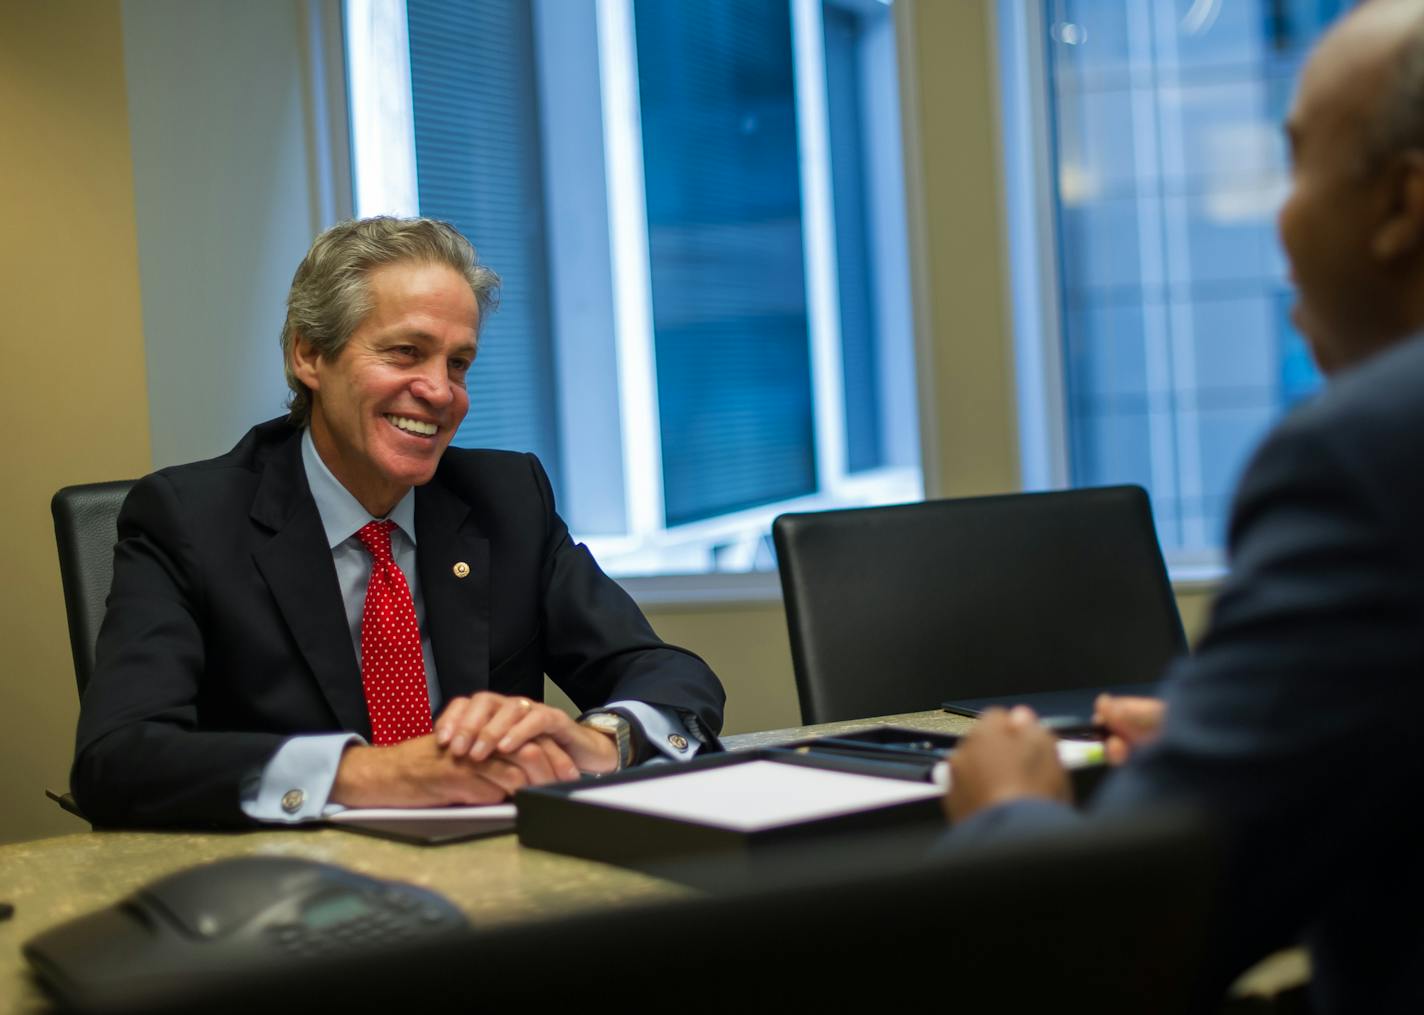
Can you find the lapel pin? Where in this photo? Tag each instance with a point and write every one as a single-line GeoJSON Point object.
{"type": "Point", "coordinates": [461, 569]}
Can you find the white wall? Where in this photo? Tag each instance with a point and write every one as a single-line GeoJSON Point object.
{"type": "Point", "coordinates": [229, 190]}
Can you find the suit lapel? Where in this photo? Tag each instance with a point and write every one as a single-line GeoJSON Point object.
{"type": "Point", "coordinates": [296, 563]}
{"type": "Point", "coordinates": [457, 609]}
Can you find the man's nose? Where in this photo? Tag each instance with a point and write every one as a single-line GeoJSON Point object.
{"type": "Point", "coordinates": [433, 387]}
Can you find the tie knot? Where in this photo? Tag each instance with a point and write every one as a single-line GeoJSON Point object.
{"type": "Point", "coordinates": [376, 537]}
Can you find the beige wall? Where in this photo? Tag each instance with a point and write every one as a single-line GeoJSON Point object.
{"type": "Point", "coordinates": [75, 355]}
{"type": "Point", "coordinates": [226, 201]}
{"type": "Point", "coordinates": [73, 381]}
{"type": "Point", "coordinates": [949, 114]}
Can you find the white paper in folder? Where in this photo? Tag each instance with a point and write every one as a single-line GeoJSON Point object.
{"type": "Point", "coordinates": [758, 795]}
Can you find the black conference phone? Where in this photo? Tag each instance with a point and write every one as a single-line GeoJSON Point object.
{"type": "Point", "coordinates": [229, 918]}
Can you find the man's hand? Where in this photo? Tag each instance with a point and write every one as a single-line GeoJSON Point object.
{"type": "Point", "coordinates": [1006, 756]}
{"type": "Point", "coordinates": [487, 725]}
{"type": "Point", "coordinates": [1131, 722]}
{"type": "Point", "coordinates": [420, 773]}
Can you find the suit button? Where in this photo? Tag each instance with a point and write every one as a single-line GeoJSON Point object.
{"type": "Point", "coordinates": [678, 741]}
{"type": "Point", "coordinates": [461, 569]}
{"type": "Point", "coordinates": [292, 800]}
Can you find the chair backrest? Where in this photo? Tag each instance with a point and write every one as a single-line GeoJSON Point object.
{"type": "Point", "coordinates": [897, 609]}
{"type": "Point", "coordinates": [85, 529]}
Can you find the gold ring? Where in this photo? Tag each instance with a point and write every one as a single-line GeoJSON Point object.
{"type": "Point", "coordinates": [526, 703]}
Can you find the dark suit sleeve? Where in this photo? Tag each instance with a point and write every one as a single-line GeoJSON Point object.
{"type": "Point", "coordinates": [598, 645]}
{"type": "Point", "coordinates": [140, 757]}
{"type": "Point", "coordinates": [1294, 724]}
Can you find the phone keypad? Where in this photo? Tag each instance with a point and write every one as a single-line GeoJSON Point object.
{"type": "Point", "coordinates": [394, 917]}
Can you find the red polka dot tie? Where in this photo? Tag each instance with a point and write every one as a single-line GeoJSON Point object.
{"type": "Point", "coordinates": [392, 668]}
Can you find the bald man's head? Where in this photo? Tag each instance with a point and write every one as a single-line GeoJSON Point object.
{"type": "Point", "coordinates": [1353, 226]}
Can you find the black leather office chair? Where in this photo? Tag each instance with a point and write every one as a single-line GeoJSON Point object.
{"type": "Point", "coordinates": [85, 530]}
{"type": "Point", "coordinates": [898, 609]}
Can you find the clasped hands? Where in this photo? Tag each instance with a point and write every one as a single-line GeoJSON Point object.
{"type": "Point", "coordinates": [484, 747]}
{"type": "Point", "coordinates": [1009, 756]}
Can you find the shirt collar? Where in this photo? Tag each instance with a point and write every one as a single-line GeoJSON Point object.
{"type": "Point", "coordinates": [342, 515]}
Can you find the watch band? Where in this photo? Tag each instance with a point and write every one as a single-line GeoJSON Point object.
{"type": "Point", "coordinates": [619, 728]}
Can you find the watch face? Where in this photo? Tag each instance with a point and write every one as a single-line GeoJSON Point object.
{"type": "Point", "coordinates": [619, 729]}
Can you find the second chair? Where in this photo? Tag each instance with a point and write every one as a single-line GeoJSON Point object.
{"type": "Point", "coordinates": [896, 609]}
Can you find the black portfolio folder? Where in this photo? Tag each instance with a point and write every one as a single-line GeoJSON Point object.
{"type": "Point", "coordinates": [564, 818]}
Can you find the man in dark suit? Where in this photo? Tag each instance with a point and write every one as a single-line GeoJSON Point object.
{"type": "Point", "coordinates": [343, 610]}
{"type": "Point", "coordinates": [1295, 724]}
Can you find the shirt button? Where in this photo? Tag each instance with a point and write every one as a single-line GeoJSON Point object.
{"type": "Point", "coordinates": [678, 741]}
{"type": "Point", "coordinates": [292, 800]}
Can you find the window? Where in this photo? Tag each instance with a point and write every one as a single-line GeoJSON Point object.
{"type": "Point", "coordinates": [1145, 168]}
{"type": "Point", "coordinates": [697, 212]}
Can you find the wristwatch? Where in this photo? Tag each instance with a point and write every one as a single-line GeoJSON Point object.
{"type": "Point", "coordinates": [615, 726]}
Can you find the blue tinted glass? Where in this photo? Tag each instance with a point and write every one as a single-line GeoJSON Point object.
{"type": "Point", "coordinates": [1169, 169]}
{"type": "Point", "coordinates": [1226, 134]}
{"type": "Point", "coordinates": [724, 229]}
{"type": "Point", "coordinates": [477, 149]}
{"type": "Point", "coordinates": [1219, 335]}
{"type": "Point", "coordinates": [1107, 359]}
{"type": "Point", "coordinates": [854, 268]}
{"type": "Point", "coordinates": [1115, 447]}
{"type": "Point", "coordinates": [1298, 376]}
{"type": "Point", "coordinates": [1227, 234]}
{"type": "Point", "coordinates": [1102, 246]}
{"type": "Point", "coordinates": [1227, 437]}
{"type": "Point", "coordinates": [1093, 38]}
{"type": "Point", "coordinates": [1095, 153]}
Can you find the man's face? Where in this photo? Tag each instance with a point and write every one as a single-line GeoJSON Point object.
{"type": "Point", "coordinates": [1338, 204]}
{"type": "Point", "coordinates": [385, 407]}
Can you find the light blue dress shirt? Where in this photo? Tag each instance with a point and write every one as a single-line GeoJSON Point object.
{"type": "Point", "coordinates": [295, 785]}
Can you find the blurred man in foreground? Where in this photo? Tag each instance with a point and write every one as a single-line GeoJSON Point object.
{"type": "Point", "coordinates": [1295, 724]}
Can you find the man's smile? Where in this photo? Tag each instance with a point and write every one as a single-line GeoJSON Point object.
{"type": "Point", "coordinates": [415, 427]}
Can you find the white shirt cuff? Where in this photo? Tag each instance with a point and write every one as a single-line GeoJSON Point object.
{"type": "Point", "coordinates": [296, 783]}
{"type": "Point", "coordinates": [663, 728]}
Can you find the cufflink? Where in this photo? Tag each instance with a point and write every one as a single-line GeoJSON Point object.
{"type": "Point", "coordinates": [678, 741]}
{"type": "Point", "coordinates": [292, 800]}
{"type": "Point", "coordinates": [461, 569]}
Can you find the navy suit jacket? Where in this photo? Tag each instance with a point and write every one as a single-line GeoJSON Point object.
{"type": "Point", "coordinates": [225, 631]}
{"type": "Point", "coordinates": [1296, 723]}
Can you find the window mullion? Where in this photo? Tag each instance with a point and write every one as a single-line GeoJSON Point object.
{"type": "Point", "coordinates": [819, 242]}
{"type": "Point", "coordinates": [632, 285]}
{"type": "Point", "coordinates": [1152, 267]}
{"type": "Point", "coordinates": [383, 129]}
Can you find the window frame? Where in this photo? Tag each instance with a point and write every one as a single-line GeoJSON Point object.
{"type": "Point", "coordinates": [1033, 281]}
{"type": "Point", "coordinates": [611, 361]}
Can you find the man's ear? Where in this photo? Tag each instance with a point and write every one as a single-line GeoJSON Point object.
{"type": "Point", "coordinates": [1402, 232]}
{"type": "Point", "coordinates": [304, 357]}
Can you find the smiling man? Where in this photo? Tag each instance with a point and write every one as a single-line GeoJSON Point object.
{"type": "Point", "coordinates": [344, 610]}
{"type": "Point", "coordinates": [1295, 725]}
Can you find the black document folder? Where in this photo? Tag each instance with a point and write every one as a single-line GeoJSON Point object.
{"type": "Point", "coordinates": [725, 844]}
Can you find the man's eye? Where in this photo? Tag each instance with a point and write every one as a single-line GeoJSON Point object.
{"type": "Point", "coordinates": [459, 366]}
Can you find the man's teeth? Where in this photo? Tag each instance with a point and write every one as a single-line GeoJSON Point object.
{"type": "Point", "coordinates": [413, 425]}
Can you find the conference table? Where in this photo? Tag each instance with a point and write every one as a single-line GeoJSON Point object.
{"type": "Point", "coordinates": [493, 880]}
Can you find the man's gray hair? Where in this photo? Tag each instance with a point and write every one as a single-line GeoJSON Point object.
{"type": "Point", "coordinates": [330, 297]}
